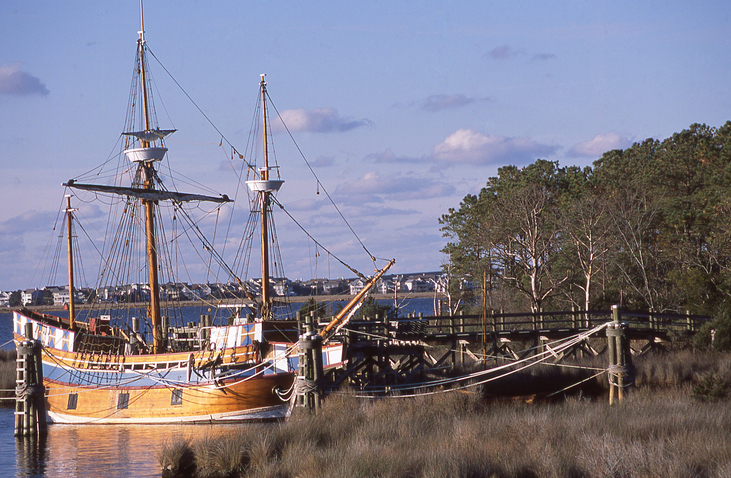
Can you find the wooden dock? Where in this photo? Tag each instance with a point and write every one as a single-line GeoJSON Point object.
{"type": "Point", "coordinates": [386, 353]}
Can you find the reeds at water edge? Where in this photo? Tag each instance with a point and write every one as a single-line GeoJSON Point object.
{"type": "Point", "coordinates": [667, 427]}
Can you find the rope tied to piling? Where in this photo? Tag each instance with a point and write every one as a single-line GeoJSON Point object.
{"type": "Point", "coordinates": [26, 390]}
{"type": "Point", "coordinates": [627, 372]}
{"type": "Point", "coordinates": [304, 385]}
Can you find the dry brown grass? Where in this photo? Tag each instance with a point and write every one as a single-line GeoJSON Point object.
{"type": "Point", "coordinates": [659, 431]}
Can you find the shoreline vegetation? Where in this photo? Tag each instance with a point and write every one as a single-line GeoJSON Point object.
{"type": "Point", "coordinates": [674, 423]}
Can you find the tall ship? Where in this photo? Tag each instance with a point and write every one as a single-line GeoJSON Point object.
{"type": "Point", "coordinates": [127, 354]}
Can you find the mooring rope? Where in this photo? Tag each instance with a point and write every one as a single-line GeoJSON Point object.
{"type": "Point", "coordinates": [474, 379]}
{"type": "Point", "coordinates": [627, 371]}
{"type": "Point", "coordinates": [26, 390]}
{"type": "Point", "coordinates": [576, 384]}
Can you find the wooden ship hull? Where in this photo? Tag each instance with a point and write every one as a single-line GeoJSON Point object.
{"type": "Point", "coordinates": [226, 384]}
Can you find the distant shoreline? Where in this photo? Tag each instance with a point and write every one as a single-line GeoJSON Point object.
{"type": "Point", "coordinates": [201, 303]}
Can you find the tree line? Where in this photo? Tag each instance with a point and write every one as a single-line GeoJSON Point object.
{"type": "Point", "coordinates": [647, 227]}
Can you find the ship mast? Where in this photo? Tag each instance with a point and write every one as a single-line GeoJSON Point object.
{"type": "Point", "coordinates": [148, 183]}
{"type": "Point", "coordinates": [264, 205]}
{"type": "Point", "coordinates": [72, 307]}
{"type": "Point", "coordinates": [264, 187]}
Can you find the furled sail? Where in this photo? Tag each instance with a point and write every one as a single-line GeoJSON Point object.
{"type": "Point", "coordinates": [151, 134]}
{"type": "Point", "coordinates": [149, 194]}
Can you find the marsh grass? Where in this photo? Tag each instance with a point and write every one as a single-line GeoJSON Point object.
{"type": "Point", "coordinates": [660, 430]}
{"type": "Point", "coordinates": [176, 457]}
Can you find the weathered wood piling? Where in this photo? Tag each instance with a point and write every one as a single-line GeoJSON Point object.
{"type": "Point", "coordinates": [621, 369]}
{"type": "Point", "coordinates": [310, 371]}
{"type": "Point", "coordinates": [30, 401]}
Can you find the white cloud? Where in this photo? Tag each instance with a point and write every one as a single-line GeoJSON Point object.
{"type": "Point", "coordinates": [599, 144]}
{"type": "Point", "coordinates": [14, 81]}
{"type": "Point", "coordinates": [468, 146]}
{"type": "Point", "coordinates": [320, 120]}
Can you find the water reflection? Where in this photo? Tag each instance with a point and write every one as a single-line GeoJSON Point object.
{"type": "Point", "coordinates": [30, 456]}
{"type": "Point", "coordinates": [83, 451]}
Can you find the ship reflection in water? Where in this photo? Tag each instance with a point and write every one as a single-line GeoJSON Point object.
{"type": "Point", "coordinates": [111, 451]}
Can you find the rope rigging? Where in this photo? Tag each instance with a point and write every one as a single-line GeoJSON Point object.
{"type": "Point", "coordinates": [320, 185]}
{"type": "Point", "coordinates": [121, 260]}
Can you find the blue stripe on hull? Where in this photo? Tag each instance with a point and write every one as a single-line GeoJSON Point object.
{"type": "Point", "coordinates": [149, 378]}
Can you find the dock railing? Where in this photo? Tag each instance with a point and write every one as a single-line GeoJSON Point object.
{"type": "Point", "coordinates": [497, 323]}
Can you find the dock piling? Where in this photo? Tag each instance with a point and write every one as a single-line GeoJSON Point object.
{"type": "Point", "coordinates": [621, 369]}
{"type": "Point", "coordinates": [310, 374]}
{"type": "Point", "coordinates": [30, 405]}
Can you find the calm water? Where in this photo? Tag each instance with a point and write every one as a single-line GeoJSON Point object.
{"type": "Point", "coordinates": [112, 451]}
{"type": "Point", "coordinates": [87, 451]}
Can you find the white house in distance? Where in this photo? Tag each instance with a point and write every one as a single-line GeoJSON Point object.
{"type": "Point", "coordinates": [4, 299]}
{"type": "Point", "coordinates": [31, 296]}
{"type": "Point", "coordinates": [418, 285]}
{"type": "Point", "coordinates": [61, 297]}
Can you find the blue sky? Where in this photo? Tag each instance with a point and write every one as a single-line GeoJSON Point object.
{"type": "Point", "coordinates": [403, 108]}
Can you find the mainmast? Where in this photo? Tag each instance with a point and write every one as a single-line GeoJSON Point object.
{"type": "Point", "coordinates": [264, 187]}
{"type": "Point", "coordinates": [145, 148]}
{"type": "Point", "coordinates": [148, 171]}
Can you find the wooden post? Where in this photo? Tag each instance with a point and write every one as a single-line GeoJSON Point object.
{"type": "Point", "coordinates": [619, 338]}
{"type": "Point", "coordinates": [484, 314]}
{"type": "Point", "coordinates": [624, 359]}
{"type": "Point", "coordinates": [205, 322]}
{"type": "Point", "coordinates": [310, 372]}
{"type": "Point", "coordinates": [40, 395]}
{"type": "Point", "coordinates": [612, 351]}
{"type": "Point", "coordinates": [30, 407]}
{"type": "Point", "coordinates": [317, 371]}
{"type": "Point", "coordinates": [301, 364]}
{"type": "Point", "coordinates": [621, 370]}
